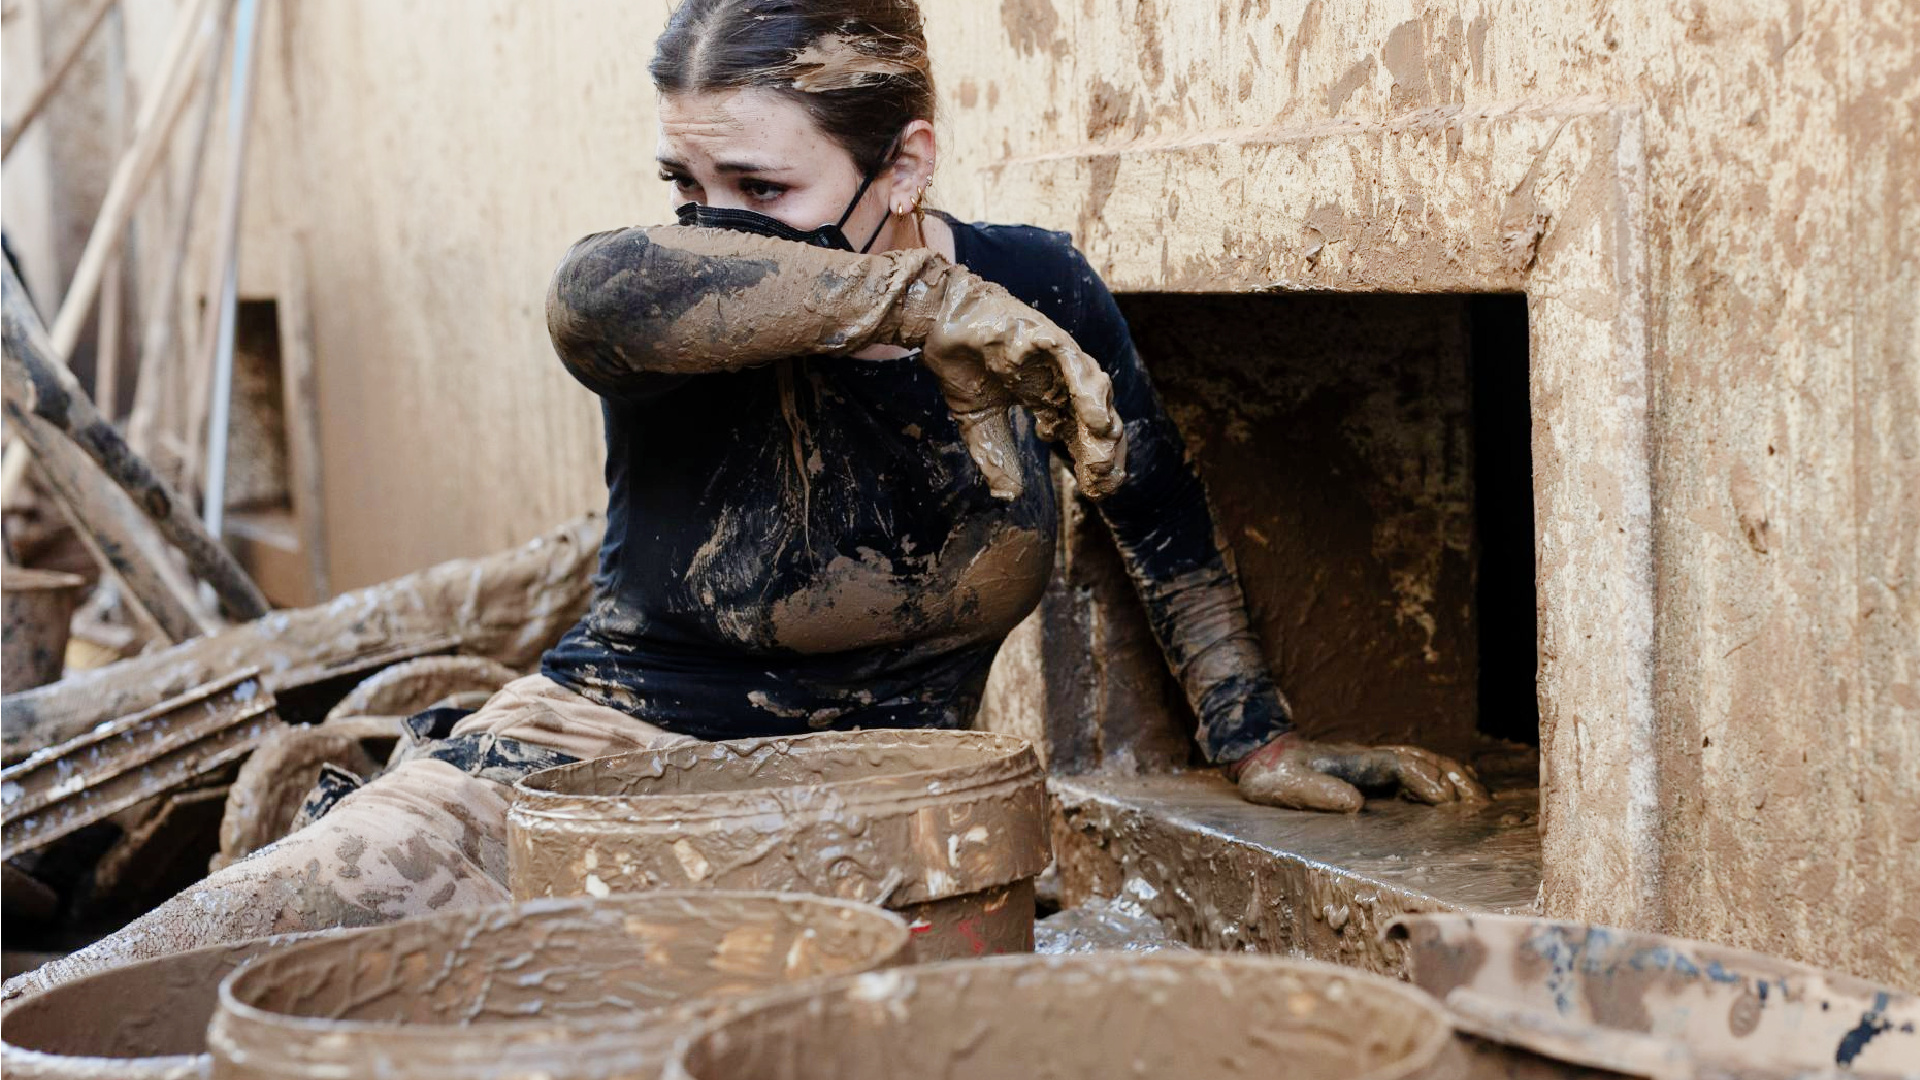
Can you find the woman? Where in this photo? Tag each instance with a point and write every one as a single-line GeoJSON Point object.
{"type": "Point", "coordinates": [822, 513]}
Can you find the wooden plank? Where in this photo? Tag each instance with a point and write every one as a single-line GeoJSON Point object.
{"type": "Point", "coordinates": [297, 379]}
{"type": "Point", "coordinates": [511, 606]}
{"type": "Point", "coordinates": [40, 385]}
{"type": "Point", "coordinates": [61, 69]}
{"type": "Point", "coordinates": [67, 787]}
{"type": "Point", "coordinates": [113, 529]}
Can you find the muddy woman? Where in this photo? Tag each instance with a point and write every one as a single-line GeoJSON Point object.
{"type": "Point", "coordinates": [829, 415]}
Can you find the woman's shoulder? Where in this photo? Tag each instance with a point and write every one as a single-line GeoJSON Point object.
{"type": "Point", "coordinates": [1040, 266]}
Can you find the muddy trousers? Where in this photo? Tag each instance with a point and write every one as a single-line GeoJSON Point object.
{"type": "Point", "coordinates": [423, 837]}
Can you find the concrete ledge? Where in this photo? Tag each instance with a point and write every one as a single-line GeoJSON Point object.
{"type": "Point", "coordinates": [1228, 875]}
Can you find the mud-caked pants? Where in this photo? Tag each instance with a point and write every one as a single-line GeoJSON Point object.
{"type": "Point", "coordinates": [425, 836]}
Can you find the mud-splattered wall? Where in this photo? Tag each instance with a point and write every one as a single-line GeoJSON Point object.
{"type": "Point", "coordinates": [1760, 196]}
{"type": "Point", "coordinates": [1771, 784]}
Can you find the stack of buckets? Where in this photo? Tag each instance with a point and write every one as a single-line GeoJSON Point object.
{"type": "Point", "coordinates": [775, 909]}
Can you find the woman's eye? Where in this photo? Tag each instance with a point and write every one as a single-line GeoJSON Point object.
{"type": "Point", "coordinates": [682, 182]}
{"type": "Point", "coordinates": [761, 190]}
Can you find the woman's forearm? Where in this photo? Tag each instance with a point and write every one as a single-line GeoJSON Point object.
{"type": "Point", "coordinates": [670, 300]}
{"type": "Point", "coordinates": [632, 310]}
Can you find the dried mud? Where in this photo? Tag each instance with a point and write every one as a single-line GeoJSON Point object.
{"type": "Point", "coordinates": [1092, 1016]}
{"type": "Point", "coordinates": [1632, 1002]}
{"type": "Point", "coordinates": [144, 1021]}
{"type": "Point", "coordinates": [899, 818]}
{"type": "Point", "coordinates": [583, 988]}
{"type": "Point", "coordinates": [509, 607]}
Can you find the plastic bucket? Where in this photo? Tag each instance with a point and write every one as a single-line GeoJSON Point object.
{"type": "Point", "coordinates": [949, 828]}
{"type": "Point", "coordinates": [563, 990]}
{"type": "Point", "coordinates": [1094, 1016]}
{"type": "Point", "coordinates": [142, 1021]}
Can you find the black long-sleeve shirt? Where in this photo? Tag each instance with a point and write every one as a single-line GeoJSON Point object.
{"type": "Point", "coordinates": [806, 545]}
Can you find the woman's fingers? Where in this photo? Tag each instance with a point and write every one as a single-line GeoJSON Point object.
{"type": "Point", "coordinates": [1296, 787]}
{"type": "Point", "coordinates": [990, 442]}
{"type": "Point", "coordinates": [1435, 778]}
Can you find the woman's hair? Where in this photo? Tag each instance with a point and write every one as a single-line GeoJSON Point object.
{"type": "Point", "coordinates": [859, 67]}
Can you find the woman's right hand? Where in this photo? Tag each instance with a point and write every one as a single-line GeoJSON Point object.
{"type": "Point", "coordinates": [990, 351]}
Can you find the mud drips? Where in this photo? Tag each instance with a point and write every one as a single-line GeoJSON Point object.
{"type": "Point", "coordinates": [557, 989]}
{"type": "Point", "coordinates": [1092, 1016]}
{"type": "Point", "coordinates": [899, 818]}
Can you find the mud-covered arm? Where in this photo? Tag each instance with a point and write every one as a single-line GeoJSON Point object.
{"type": "Point", "coordinates": [633, 309]}
{"type": "Point", "coordinates": [1165, 530]}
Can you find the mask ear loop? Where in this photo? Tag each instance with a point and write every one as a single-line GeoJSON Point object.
{"type": "Point", "coordinates": [893, 148]}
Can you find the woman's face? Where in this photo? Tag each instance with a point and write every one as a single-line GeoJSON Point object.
{"type": "Point", "coordinates": [758, 150]}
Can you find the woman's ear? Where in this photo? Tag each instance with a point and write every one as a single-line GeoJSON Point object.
{"type": "Point", "coordinates": [912, 167]}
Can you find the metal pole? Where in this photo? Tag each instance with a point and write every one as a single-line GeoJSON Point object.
{"type": "Point", "coordinates": [246, 37]}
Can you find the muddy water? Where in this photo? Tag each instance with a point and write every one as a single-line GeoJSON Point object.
{"type": "Point", "coordinates": [557, 989]}
{"type": "Point", "coordinates": [948, 827]}
{"type": "Point", "coordinates": [145, 1021]}
{"type": "Point", "coordinates": [1095, 1016]}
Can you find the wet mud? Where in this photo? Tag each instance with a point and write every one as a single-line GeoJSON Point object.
{"type": "Point", "coordinates": [145, 1021]}
{"type": "Point", "coordinates": [555, 989]}
{"type": "Point", "coordinates": [1221, 873]}
{"type": "Point", "coordinates": [635, 306]}
{"type": "Point", "coordinates": [1646, 1004]}
{"type": "Point", "coordinates": [1092, 1016]}
{"type": "Point", "coordinates": [899, 818]}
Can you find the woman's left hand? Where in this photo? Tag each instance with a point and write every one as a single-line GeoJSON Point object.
{"type": "Point", "coordinates": [990, 351]}
{"type": "Point", "coordinates": [1299, 774]}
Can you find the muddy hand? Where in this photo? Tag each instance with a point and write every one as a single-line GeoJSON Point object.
{"type": "Point", "coordinates": [990, 351]}
{"type": "Point", "coordinates": [1303, 775]}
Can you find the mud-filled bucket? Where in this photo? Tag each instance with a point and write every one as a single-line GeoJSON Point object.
{"type": "Point", "coordinates": [36, 607]}
{"type": "Point", "coordinates": [141, 1021]}
{"type": "Point", "coordinates": [1544, 997]}
{"type": "Point", "coordinates": [564, 990]}
{"type": "Point", "coordinates": [949, 828]}
{"type": "Point", "coordinates": [1092, 1015]}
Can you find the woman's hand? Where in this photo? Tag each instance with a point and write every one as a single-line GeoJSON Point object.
{"type": "Point", "coordinates": [990, 351]}
{"type": "Point", "coordinates": [1302, 775]}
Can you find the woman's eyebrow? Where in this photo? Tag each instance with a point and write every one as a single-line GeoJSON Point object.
{"type": "Point", "coordinates": [720, 166]}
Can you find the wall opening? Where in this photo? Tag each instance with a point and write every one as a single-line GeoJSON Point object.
{"type": "Point", "coordinates": [1368, 457]}
{"type": "Point", "coordinates": [1505, 610]}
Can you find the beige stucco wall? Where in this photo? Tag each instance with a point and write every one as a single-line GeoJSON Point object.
{"type": "Point", "coordinates": [440, 157]}
{"type": "Point", "coordinates": [1782, 167]}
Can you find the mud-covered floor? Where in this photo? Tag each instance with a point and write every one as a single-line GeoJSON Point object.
{"type": "Point", "coordinates": [1225, 874]}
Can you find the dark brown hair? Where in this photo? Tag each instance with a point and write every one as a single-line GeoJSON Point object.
{"type": "Point", "coordinates": [859, 67]}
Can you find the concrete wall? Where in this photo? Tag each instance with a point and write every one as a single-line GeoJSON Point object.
{"type": "Point", "coordinates": [1713, 204]}
{"type": "Point", "coordinates": [1770, 795]}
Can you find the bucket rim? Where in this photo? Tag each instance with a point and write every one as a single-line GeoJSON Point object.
{"type": "Point", "coordinates": [1430, 1048]}
{"type": "Point", "coordinates": [231, 1008]}
{"type": "Point", "coordinates": [1012, 760]}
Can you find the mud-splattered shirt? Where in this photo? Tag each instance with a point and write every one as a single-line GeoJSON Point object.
{"type": "Point", "coordinates": [806, 545]}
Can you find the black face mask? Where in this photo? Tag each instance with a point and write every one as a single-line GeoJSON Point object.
{"type": "Point", "coordinates": [748, 221]}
